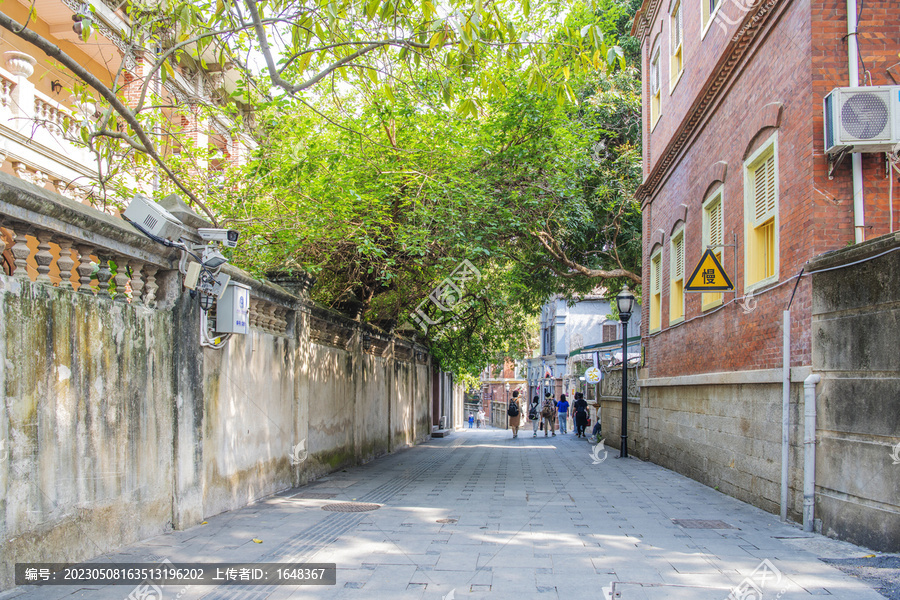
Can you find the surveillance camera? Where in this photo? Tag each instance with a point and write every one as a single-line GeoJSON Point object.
{"type": "Point", "coordinates": [228, 237]}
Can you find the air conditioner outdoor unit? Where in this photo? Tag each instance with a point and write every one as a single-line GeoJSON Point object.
{"type": "Point", "coordinates": [862, 119]}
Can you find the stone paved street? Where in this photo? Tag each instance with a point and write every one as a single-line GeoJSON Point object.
{"type": "Point", "coordinates": [533, 518]}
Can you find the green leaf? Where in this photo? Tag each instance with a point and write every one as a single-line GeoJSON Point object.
{"type": "Point", "coordinates": [372, 9]}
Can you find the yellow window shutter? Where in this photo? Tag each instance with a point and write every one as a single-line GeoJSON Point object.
{"type": "Point", "coordinates": [656, 284]}
{"type": "Point", "coordinates": [679, 259]}
{"type": "Point", "coordinates": [715, 224]}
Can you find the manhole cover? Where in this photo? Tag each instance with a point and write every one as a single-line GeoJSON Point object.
{"type": "Point", "coordinates": [351, 507]}
{"type": "Point", "coordinates": [702, 524]}
{"type": "Point", "coordinates": [314, 496]}
{"type": "Point", "coordinates": [447, 520]}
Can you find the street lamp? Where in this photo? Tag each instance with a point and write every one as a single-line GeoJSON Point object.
{"type": "Point", "coordinates": [507, 405]}
{"type": "Point", "coordinates": [625, 304]}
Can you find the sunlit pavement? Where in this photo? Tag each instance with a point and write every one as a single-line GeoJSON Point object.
{"type": "Point", "coordinates": [481, 515]}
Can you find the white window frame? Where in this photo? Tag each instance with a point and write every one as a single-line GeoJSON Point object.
{"type": "Point", "coordinates": [677, 236]}
{"type": "Point", "coordinates": [752, 162]}
{"type": "Point", "coordinates": [655, 79]}
{"type": "Point", "coordinates": [655, 288]}
{"type": "Point", "coordinates": [712, 16]}
{"type": "Point", "coordinates": [717, 196]}
{"type": "Point", "coordinates": [676, 77]}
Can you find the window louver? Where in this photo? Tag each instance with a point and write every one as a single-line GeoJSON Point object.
{"type": "Point", "coordinates": [764, 190]}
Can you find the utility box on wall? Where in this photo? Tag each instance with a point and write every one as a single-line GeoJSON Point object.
{"type": "Point", "coordinates": [233, 309]}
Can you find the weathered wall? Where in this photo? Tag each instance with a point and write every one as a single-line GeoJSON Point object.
{"type": "Point", "coordinates": [856, 331]}
{"type": "Point", "coordinates": [116, 424]}
{"type": "Point", "coordinates": [86, 423]}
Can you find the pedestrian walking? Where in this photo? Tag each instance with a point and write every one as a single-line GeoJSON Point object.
{"type": "Point", "coordinates": [514, 411]}
{"type": "Point", "coordinates": [548, 415]}
{"type": "Point", "coordinates": [534, 414]}
{"type": "Point", "coordinates": [562, 408]}
{"type": "Point", "coordinates": [479, 419]}
{"type": "Point", "coordinates": [471, 420]}
{"type": "Point", "coordinates": [580, 409]}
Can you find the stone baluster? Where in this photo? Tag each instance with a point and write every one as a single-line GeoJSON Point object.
{"type": "Point", "coordinates": [2, 241]}
{"type": "Point", "coordinates": [121, 278]}
{"type": "Point", "coordinates": [254, 313]}
{"type": "Point", "coordinates": [103, 276]}
{"type": "Point", "coordinates": [280, 321]}
{"type": "Point", "coordinates": [260, 314]}
{"type": "Point", "coordinates": [270, 318]}
{"type": "Point", "coordinates": [20, 251]}
{"type": "Point", "coordinates": [137, 284]}
{"type": "Point", "coordinates": [151, 286]}
{"type": "Point", "coordinates": [43, 257]}
{"type": "Point", "coordinates": [85, 269]}
{"type": "Point", "coordinates": [65, 264]}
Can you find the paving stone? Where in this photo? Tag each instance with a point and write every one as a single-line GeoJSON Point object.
{"type": "Point", "coordinates": [536, 519]}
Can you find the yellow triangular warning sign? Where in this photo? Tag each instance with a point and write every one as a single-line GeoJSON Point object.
{"type": "Point", "coordinates": [709, 276]}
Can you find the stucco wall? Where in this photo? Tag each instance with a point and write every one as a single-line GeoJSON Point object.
{"type": "Point", "coordinates": [116, 424]}
{"type": "Point", "coordinates": [86, 423]}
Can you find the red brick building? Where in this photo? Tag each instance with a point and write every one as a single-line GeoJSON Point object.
{"type": "Point", "coordinates": [734, 156]}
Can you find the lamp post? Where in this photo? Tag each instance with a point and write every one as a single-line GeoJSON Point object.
{"type": "Point", "coordinates": [625, 304]}
{"type": "Point", "coordinates": [507, 405]}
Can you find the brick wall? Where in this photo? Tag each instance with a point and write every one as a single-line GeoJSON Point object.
{"type": "Point", "coordinates": [879, 49]}
{"type": "Point", "coordinates": [815, 213]}
{"type": "Point", "coordinates": [730, 339]}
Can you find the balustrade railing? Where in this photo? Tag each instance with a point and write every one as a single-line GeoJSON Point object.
{"type": "Point", "coordinates": [52, 115]}
{"type": "Point", "coordinates": [61, 243]}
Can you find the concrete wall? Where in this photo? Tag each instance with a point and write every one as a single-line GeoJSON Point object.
{"type": "Point", "coordinates": [856, 330]}
{"type": "Point", "coordinates": [116, 424]}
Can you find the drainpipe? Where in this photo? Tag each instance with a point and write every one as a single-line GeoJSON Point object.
{"type": "Point", "coordinates": [785, 411]}
{"type": "Point", "coordinates": [809, 442]}
{"type": "Point", "coordinates": [859, 216]}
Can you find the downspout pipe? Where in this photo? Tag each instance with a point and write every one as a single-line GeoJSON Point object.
{"type": "Point", "coordinates": [809, 443]}
{"type": "Point", "coordinates": [859, 214]}
{"type": "Point", "coordinates": [785, 411]}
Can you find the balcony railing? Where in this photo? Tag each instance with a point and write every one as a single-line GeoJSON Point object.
{"type": "Point", "coordinates": [37, 133]}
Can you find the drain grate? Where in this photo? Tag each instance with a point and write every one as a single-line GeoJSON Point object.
{"type": "Point", "coordinates": [313, 496]}
{"type": "Point", "coordinates": [702, 524]}
{"type": "Point", "coordinates": [351, 507]}
{"type": "Point", "coordinates": [447, 520]}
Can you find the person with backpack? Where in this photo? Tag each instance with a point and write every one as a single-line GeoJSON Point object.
{"type": "Point", "coordinates": [581, 414]}
{"type": "Point", "coordinates": [534, 414]}
{"type": "Point", "coordinates": [548, 414]}
{"type": "Point", "coordinates": [563, 408]}
{"type": "Point", "coordinates": [514, 411]}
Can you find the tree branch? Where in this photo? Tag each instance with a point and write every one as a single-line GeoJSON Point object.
{"type": "Point", "coordinates": [552, 246]}
{"type": "Point", "coordinates": [293, 89]}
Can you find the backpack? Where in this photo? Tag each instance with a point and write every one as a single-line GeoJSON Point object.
{"type": "Point", "coordinates": [513, 409]}
{"type": "Point", "coordinates": [547, 411]}
{"type": "Point", "coordinates": [533, 413]}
